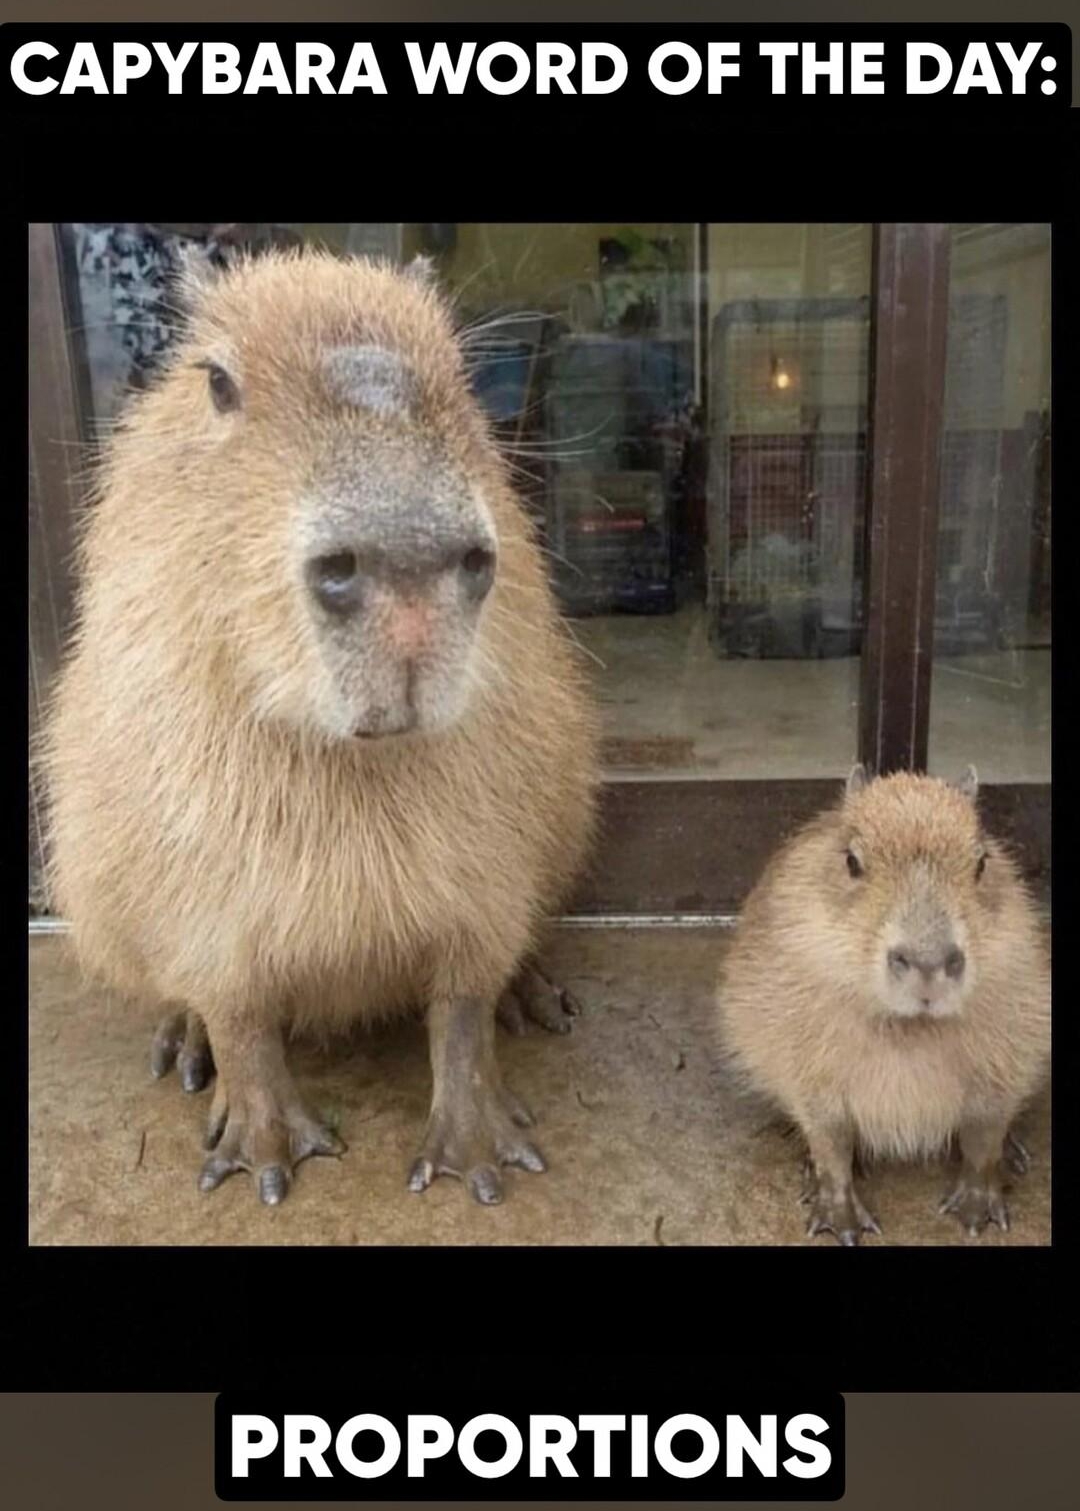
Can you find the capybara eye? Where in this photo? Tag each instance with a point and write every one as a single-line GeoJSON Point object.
{"type": "Point", "coordinates": [478, 567]}
{"type": "Point", "coordinates": [338, 568]}
{"type": "Point", "coordinates": [854, 864]}
{"type": "Point", "coordinates": [478, 561]}
{"type": "Point", "coordinates": [223, 390]}
{"type": "Point", "coordinates": [980, 867]}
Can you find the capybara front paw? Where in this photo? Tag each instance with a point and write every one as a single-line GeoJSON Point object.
{"type": "Point", "coordinates": [975, 1204]}
{"type": "Point", "coordinates": [267, 1142]}
{"type": "Point", "coordinates": [180, 1040]}
{"type": "Point", "coordinates": [533, 996]}
{"type": "Point", "coordinates": [472, 1142]}
{"type": "Point", "coordinates": [840, 1213]}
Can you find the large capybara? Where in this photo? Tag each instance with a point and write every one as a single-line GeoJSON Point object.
{"type": "Point", "coordinates": [888, 987]}
{"type": "Point", "coordinates": [322, 750]}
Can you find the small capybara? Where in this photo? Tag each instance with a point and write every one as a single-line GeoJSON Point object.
{"type": "Point", "coordinates": [888, 987]}
{"type": "Point", "coordinates": [322, 749]}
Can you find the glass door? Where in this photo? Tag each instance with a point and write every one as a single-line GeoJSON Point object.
{"type": "Point", "coordinates": [742, 445]}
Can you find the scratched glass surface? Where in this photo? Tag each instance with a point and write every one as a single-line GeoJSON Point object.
{"type": "Point", "coordinates": [684, 411]}
{"type": "Point", "coordinates": [990, 694]}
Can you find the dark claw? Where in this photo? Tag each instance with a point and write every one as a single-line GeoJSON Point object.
{"type": "Point", "coordinates": [214, 1172]}
{"type": "Point", "coordinates": [1017, 1156]}
{"type": "Point", "coordinates": [809, 1188]}
{"type": "Point", "coordinates": [215, 1127]}
{"type": "Point", "coordinates": [180, 1040]}
{"type": "Point", "coordinates": [519, 1113]}
{"type": "Point", "coordinates": [325, 1142]}
{"type": "Point", "coordinates": [570, 1004]}
{"type": "Point", "coordinates": [273, 1185]}
{"type": "Point", "coordinates": [194, 1071]}
{"type": "Point", "coordinates": [421, 1175]}
{"type": "Point", "coordinates": [534, 995]}
{"type": "Point", "coordinates": [528, 1157]}
{"type": "Point", "coordinates": [162, 1059]}
{"type": "Point", "coordinates": [166, 1045]}
{"type": "Point", "coordinates": [485, 1185]}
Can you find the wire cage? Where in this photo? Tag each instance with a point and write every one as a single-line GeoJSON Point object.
{"type": "Point", "coordinates": [788, 385]}
{"type": "Point", "coordinates": [787, 478]}
{"type": "Point", "coordinates": [616, 416]}
{"type": "Point", "coordinates": [972, 529]}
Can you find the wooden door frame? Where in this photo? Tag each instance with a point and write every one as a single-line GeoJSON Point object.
{"type": "Point", "coordinates": [908, 333]}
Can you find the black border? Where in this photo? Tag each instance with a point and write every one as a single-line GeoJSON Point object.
{"type": "Point", "coordinates": [954, 1319]}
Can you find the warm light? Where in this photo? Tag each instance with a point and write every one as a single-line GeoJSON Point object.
{"type": "Point", "coordinates": [779, 377]}
{"type": "Point", "coordinates": [783, 380]}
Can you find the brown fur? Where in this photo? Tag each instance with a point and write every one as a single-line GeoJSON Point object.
{"type": "Point", "coordinates": [800, 1000]}
{"type": "Point", "coordinates": [211, 845]}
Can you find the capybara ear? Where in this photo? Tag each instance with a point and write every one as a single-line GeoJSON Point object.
{"type": "Point", "coordinates": [857, 780]}
{"type": "Point", "coordinates": [969, 783]}
{"type": "Point", "coordinates": [422, 270]}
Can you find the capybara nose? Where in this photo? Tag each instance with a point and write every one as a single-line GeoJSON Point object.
{"type": "Point", "coordinates": [339, 580]}
{"type": "Point", "coordinates": [899, 962]}
{"type": "Point", "coordinates": [951, 962]}
{"type": "Point", "coordinates": [954, 964]}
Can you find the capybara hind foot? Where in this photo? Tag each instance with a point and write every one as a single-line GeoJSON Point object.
{"type": "Point", "coordinates": [976, 1200]}
{"type": "Point", "coordinates": [258, 1122]}
{"type": "Point", "coordinates": [533, 996]}
{"type": "Point", "coordinates": [841, 1213]}
{"type": "Point", "coordinates": [266, 1140]}
{"type": "Point", "coordinates": [180, 1040]}
{"type": "Point", "coordinates": [829, 1189]}
{"type": "Point", "coordinates": [976, 1203]}
{"type": "Point", "coordinates": [471, 1143]}
{"type": "Point", "coordinates": [475, 1122]}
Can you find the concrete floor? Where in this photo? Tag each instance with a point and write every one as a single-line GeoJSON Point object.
{"type": "Point", "coordinates": [645, 1142]}
{"type": "Point", "coordinates": [673, 706]}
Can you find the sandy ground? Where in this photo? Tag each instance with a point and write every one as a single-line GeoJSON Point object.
{"type": "Point", "coordinates": [645, 1142]}
{"type": "Point", "coordinates": [664, 695]}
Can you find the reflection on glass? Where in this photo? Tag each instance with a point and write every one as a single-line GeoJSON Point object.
{"type": "Point", "coordinates": [691, 430]}
{"type": "Point", "coordinates": [990, 697]}
{"type": "Point", "coordinates": [684, 410]}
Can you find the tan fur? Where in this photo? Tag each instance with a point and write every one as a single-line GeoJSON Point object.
{"type": "Point", "coordinates": [209, 844]}
{"type": "Point", "coordinates": [799, 1001]}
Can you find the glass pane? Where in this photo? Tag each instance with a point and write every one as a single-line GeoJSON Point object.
{"type": "Point", "coordinates": [684, 407]}
{"type": "Point", "coordinates": [990, 699]}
